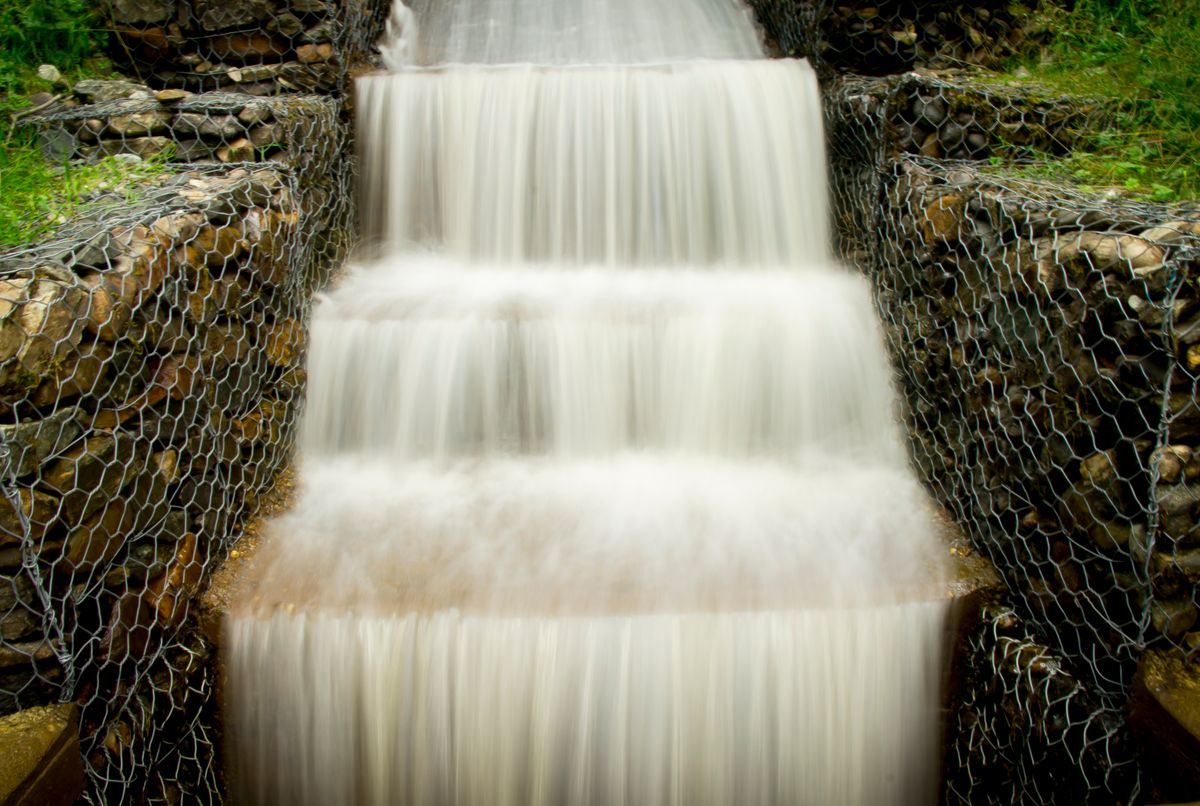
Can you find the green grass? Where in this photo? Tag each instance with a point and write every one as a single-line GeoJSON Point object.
{"type": "Point", "coordinates": [35, 195]}
{"type": "Point", "coordinates": [1144, 55]}
{"type": "Point", "coordinates": [64, 33]}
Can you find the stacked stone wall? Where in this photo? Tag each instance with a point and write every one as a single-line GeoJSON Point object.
{"type": "Point", "coordinates": [257, 47]}
{"type": "Point", "coordinates": [894, 36]}
{"type": "Point", "coordinates": [151, 365]}
{"type": "Point", "coordinates": [1046, 338]}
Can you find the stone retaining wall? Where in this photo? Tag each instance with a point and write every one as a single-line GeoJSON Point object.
{"type": "Point", "coordinates": [893, 36]}
{"type": "Point", "coordinates": [151, 375]}
{"type": "Point", "coordinates": [1048, 344]}
{"type": "Point", "coordinates": [258, 47]}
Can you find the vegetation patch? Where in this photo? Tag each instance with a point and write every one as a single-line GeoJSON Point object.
{"type": "Point", "coordinates": [1144, 57]}
{"type": "Point", "coordinates": [37, 195]}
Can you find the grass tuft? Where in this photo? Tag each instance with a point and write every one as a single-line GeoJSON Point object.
{"type": "Point", "coordinates": [36, 195]}
{"type": "Point", "coordinates": [1144, 56]}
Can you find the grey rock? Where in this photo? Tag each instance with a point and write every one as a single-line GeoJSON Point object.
{"type": "Point", "coordinates": [48, 72]}
{"type": "Point", "coordinates": [215, 15]}
{"type": "Point", "coordinates": [139, 11]}
{"type": "Point", "coordinates": [97, 90]}
{"type": "Point", "coordinates": [18, 608]}
{"type": "Point", "coordinates": [31, 443]}
{"type": "Point", "coordinates": [192, 124]}
{"type": "Point", "coordinates": [288, 25]}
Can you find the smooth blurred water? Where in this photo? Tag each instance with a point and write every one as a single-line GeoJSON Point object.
{"type": "Point", "coordinates": [570, 32]}
{"type": "Point", "coordinates": [605, 499]}
{"type": "Point", "coordinates": [689, 162]}
{"type": "Point", "coordinates": [446, 361]}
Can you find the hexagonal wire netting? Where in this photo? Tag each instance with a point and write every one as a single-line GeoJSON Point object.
{"type": "Point", "coordinates": [1048, 343]}
{"type": "Point", "coordinates": [151, 374]}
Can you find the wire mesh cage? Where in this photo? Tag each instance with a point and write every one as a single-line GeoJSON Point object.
{"type": "Point", "coordinates": [1044, 336]}
{"type": "Point", "coordinates": [151, 381]}
{"type": "Point", "coordinates": [151, 365]}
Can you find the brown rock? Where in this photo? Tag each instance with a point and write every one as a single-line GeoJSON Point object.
{"type": "Point", "coordinates": [111, 418]}
{"type": "Point", "coordinates": [31, 442]}
{"type": "Point", "coordinates": [142, 271]}
{"type": "Point", "coordinates": [1173, 618]}
{"type": "Point", "coordinates": [107, 314]}
{"type": "Point", "coordinates": [1099, 468]}
{"type": "Point", "coordinates": [202, 307]}
{"type": "Point", "coordinates": [247, 48]}
{"type": "Point", "coordinates": [264, 423]}
{"type": "Point", "coordinates": [39, 510]}
{"type": "Point", "coordinates": [98, 539]}
{"type": "Point", "coordinates": [171, 96]}
{"type": "Point", "coordinates": [1171, 461]}
{"type": "Point", "coordinates": [307, 54]}
{"type": "Point", "coordinates": [19, 608]}
{"type": "Point", "coordinates": [255, 113]}
{"type": "Point", "coordinates": [82, 467]}
{"type": "Point", "coordinates": [170, 593]}
{"type": "Point", "coordinates": [177, 226]}
{"type": "Point", "coordinates": [1109, 536]}
{"type": "Point", "coordinates": [1192, 357]}
{"type": "Point", "coordinates": [255, 73]}
{"type": "Point", "coordinates": [139, 124]}
{"type": "Point", "coordinates": [219, 246]}
{"type": "Point", "coordinates": [166, 463]}
{"type": "Point", "coordinates": [943, 218]}
{"type": "Point", "coordinates": [269, 232]}
{"type": "Point", "coordinates": [285, 342]}
{"type": "Point", "coordinates": [1164, 715]}
{"type": "Point", "coordinates": [226, 344]}
{"type": "Point", "coordinates": [241, 150]}
{"type": "Point", "coordinates": [77, 373]}
{"type": "Point", "coordinates": [177, 374]}
{"type": "Point", "coordinates": [267, 135]}
{"type": "Point", "coordinates": [41, 322]}
{"type": "Point", "coordinates": [931, 146]}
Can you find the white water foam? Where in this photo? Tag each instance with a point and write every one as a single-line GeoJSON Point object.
{"type": "Point", "coordinates": [792, 707]}
{"type": "Point", "coordinates": [567, 32]}
{"type": "Point", "coordinates": [447, 361]}
{"type": "Point", "coordinates": [697, 162]}
{"type": "Point", "coordinates": [605, 501]}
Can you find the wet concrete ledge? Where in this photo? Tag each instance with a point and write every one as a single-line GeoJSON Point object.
{"type": "Point", "coordinates": [40, 760]}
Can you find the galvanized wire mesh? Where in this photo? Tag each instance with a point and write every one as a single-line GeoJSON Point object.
{"type": "Point", "coordinates": [894, 36]}
{"type": "Point", "coordinates": [252, 47]}
{"type": "Point", "coordinates": [150, 382]}
{"type": "Point", "coordinates": [151, 365]}
{"type": "Point", "coordinates": [1047, 341]}
{"type": "Point", "coordinates": [1025, 731]}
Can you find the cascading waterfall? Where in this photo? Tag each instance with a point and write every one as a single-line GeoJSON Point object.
{"type": "Point", "coordinates": [605, 499]}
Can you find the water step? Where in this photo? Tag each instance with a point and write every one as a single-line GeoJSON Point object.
{"type": "Point", "coordinates": [450, 361]}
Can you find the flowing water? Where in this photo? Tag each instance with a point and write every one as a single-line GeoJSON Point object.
{"type": "Point", "coordinates": [605, 500]}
